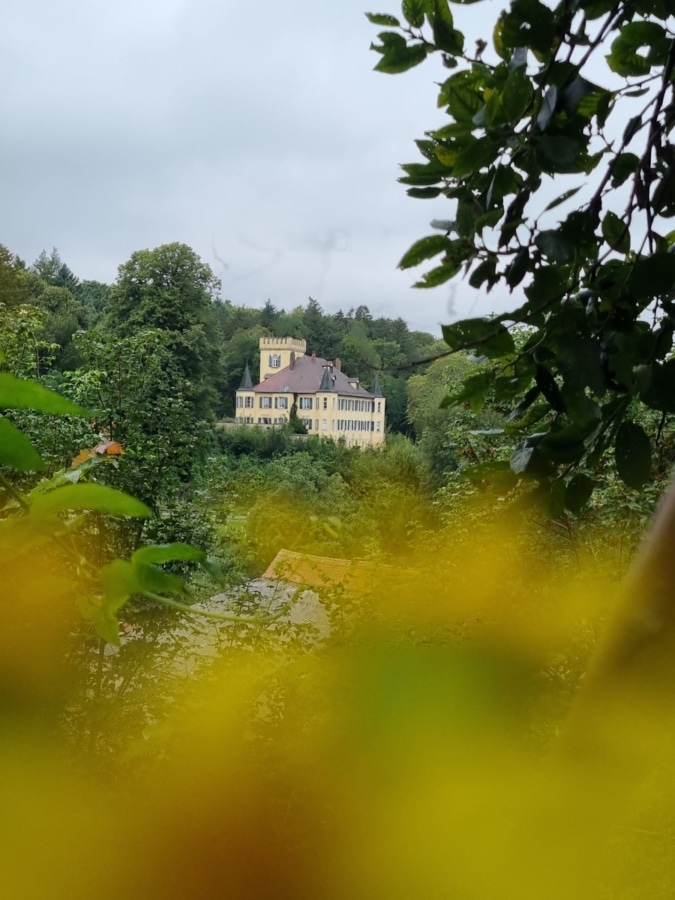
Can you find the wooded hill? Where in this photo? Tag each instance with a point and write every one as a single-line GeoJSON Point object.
{"type": "Point", "coordinates": [63, 325]}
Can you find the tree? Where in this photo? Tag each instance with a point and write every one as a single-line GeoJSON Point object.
{"type": "Point", "coordinates": [47, 266]}
{"type": "Point", "coordinates": [171, 289]}
{"type": "Point", "coordinates": [13, 287]}
{"type": "Point", "coordinates": [590, 267]}
{"type": "Point", "coordinates": [94, 296]}
{"type": "Point", "coordinates": [64, 316]}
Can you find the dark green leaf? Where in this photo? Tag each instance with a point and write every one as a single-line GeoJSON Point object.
{"type": "Point", "coordinates": [632, 128]}
{"type": "Point", "coordinates": [18, 394]}
{"type": "Point", "coordinates": [474, 391]}
{"type": "Point", "coordinates": [414, 10]}
{"type": "Point", "coordinates": [547, 285]}
{"type": "Point", "coordinates": [633, 455]}
{"type": "Point", "coordinates": [558, 150]}
{"type": "Point", "coordinates": [596, 8]}
{"type": "Point", "coordinates": [625, 59]}
{"type": "Point", "coordinates": [555, 246]}
{"type": "Point", "coordinates": [120, 580]}
{"type": "Point", "coordinates": [517, 95]}
{"type": "Point", "coordinates": [556, 498]}
{"type": "Point", "coordinates": [88, 496]}
{"type": "Point", "coordinates": [492, 338]}
{"type": "Point", "coordinates": [426, 248]}
{"type": "Point", "coordinates": [562, 198]}
{"type": "Point", "coordinates": [397, 55]}
{"type": "Point", "coordinates": [578, 493]}
{"type": "Point", "coordinates": [437, 276]}
{"type": "Point", "coordinates": [475, 156]}
{"type": "Point", "coordinates": [528, 418]}
{"type": "Point", "coordinates": [484, 272]}
{"type": "Point", "coordinates": [518, 268]}
{"type": "Point", "coordinates": [615, 232]}
{"type": "Point", "coordinates": [462, 98]}
{"type": "Point", "coordinates": [17, 451]}
{"type": "Point", "coordinates": [426, 193]}
{"type": "Point", "coordinates": [164, 553]}
{"type": "Point", "coordinates": [446, 37]}
{"type": "Point", "coordinates": [383, 19]}
{"type": "Point", "coordinates": [549, 388]}
{"type": "Point", "coordinates": [653, 275]}
{"type": "Point", "coordinates": [658, 389]}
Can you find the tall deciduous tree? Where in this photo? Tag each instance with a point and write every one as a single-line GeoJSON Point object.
{"type": "Point", "coordinates": [558, 162]}
{"type": "Point", "coordinates": [13, 286]}
{"type": "Point", "coordinates": [171, 289]}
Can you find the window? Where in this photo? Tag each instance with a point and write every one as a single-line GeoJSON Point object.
{"type": "Point", "coordinates": [264, 420]}
{"type": "Point", "coordinates": [281, 402]}
{"type": "Point", "coordinates": [324, 424]}
{"type": "Point", "coordinates": [325, 402]}
{"type": "Point", "coordinates": [265, 403]}
{"type": "Point", "coordinates": [240, 402]}
{"type": "Point", "coordinates": [379, 406]}
{"type": "Point", "coordinates": [275, 361]}
{"type": "Point", "coordinates": [305, 403]}
{"type": "Point", "coordinates": [378, 426]}
{"type": "Point", "coordinates": [307, 423]}
{"type": "Point", "coordinates": [248, 402]}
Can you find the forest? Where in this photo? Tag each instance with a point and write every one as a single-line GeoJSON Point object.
{"type": "Point", "coordinates": [483, 708]}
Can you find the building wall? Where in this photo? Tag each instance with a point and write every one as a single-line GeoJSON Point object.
{"type": "Point", "coordinates": [357, 420]}
{"type": "Point", "coordinates": [275, 354]}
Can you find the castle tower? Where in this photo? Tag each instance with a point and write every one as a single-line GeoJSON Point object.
{"type": "Point", "coordinates": [275, 354]}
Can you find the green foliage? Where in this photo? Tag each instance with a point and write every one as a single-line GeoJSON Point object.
{"type": "Point", "coordinates": [13, 283]}
{"type": "Point", "coordinates": [138, 395]}
{"type": "Point", "coordinates": [593, 281]}
{"type": "Point", "coordinates": [170, 289]}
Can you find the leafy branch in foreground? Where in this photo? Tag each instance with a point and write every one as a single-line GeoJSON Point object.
{"type": "Point", "coordinates": [590, 264]}
{"type": "Point", "coordinates": [51, 524]}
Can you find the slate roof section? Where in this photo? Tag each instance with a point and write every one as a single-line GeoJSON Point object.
{"type": "Point", "coordinates": [246, 381]}
{"type": "Point", "coordinates": [326, 380]}
{"type": "Point", "coordinates": [306, 377]}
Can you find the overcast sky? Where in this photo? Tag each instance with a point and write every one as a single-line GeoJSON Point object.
{"type": "Point", "coordinates": [257, 133]}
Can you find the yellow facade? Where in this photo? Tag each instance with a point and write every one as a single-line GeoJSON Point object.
{"type": "Point", "coordinates": [275, 354]}
{"type": "Point", "coordinates": [328, 402]}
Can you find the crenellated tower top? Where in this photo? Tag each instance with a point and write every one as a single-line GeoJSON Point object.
{"type": "Point", "coordinates": [275, 353]}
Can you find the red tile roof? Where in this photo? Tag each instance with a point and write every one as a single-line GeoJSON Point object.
{"type": "Point", "coordinates": [305, 378]}
{"type": "Point", "coordinates": [319, 571]}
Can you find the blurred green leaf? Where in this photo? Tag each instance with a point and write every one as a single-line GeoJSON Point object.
{"type": "Point", "coordinates": [88, 497]}
{"type": "Point", "coordinates": [16, 450]}
{"type": "Point", "coordinates": [18, 394]}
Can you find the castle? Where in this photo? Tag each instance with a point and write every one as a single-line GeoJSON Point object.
{"type": "Point", "coordinates": [327, 402]}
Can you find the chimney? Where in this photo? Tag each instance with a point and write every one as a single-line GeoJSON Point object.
{"type": "Point", "coordinates": [292, 363]}
{"type": "Point", "coordinates": [338, 364]}
{"type": "Point", "coordinates": [313, 357]}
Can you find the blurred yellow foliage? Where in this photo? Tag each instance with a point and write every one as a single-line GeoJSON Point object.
{"type": "Point", "coordinates": [454, 745]}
